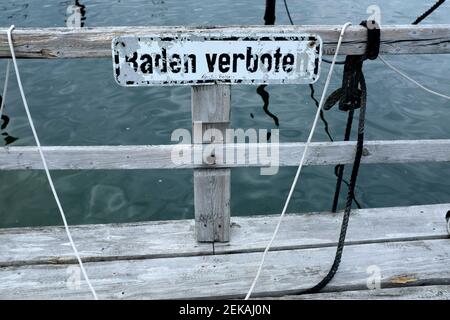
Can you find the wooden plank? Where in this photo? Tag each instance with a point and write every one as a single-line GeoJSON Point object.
{"type": "Point", "coordinates": [96, 42]}
{"type": "Point", "coordinates": [49, 245]}
{"type": "Point", "coordinates": [413, 262]}
{"type": "Point", "coordinates": [212, 204]}
{"type": "Point", "coordinates": [322, 229]}
{"type": "Point", "coordinates": [150, 240]}
{"type": "Point", "coordinates": [160, 157]}
{"type": "Point", "coordinates": [441, 292]}
{"type": "Point", "coordinates": [211, 107]}
{"type": "Point", "coordinates": [211, 104]}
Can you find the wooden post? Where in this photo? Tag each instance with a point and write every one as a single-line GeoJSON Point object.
{"type": "Point", "coordinates": [211, 110]}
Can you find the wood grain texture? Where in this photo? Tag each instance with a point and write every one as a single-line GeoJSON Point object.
{"type": "Point", "coordinates": [159, 157]}
{"type": "Point", "coordinates": [212, 204]}
{"type": "Point", "coordinates": [211, 107]}
{"type": "Point", "coordinates": [322, 229]}
{"type": "Point", "coordinates": [420, 262]}
{"type": "Point", "coordinates": [211, 104]}
{"type": "Point", "coordinates": [51, 43]}
{"type": "Point", "coordinates": [441, 292]}
{"type": "Point", "coordinates": [145, 240]}
{"type": "Point", "coordinates": [152, 240]}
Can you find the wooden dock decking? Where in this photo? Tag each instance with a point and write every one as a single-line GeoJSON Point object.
{"type": "Point", "coordinates": [410, 247]}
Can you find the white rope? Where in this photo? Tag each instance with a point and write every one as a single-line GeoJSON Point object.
{"type": "Point", "coordinates": [44, 163]}
{"type": "Point", "coordinates": [412, 80]}
{"type": "Point", "coordinates": [5, 87]}
{"type": "Point", "coordinates": [300, 166]}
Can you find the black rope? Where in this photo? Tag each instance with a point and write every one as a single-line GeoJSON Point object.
{"type": "Point", "coordinates": [351, 96]}
{"type": "Point", "coordinates": [351, 101]}
{"type": "Point", "coordinates": [330, 102]}
{"type": "Point", "coordinates": [288, 12]}
{"type": "Point", "coordinates": [338, 170]}
{"type": "Point", "coordinates": [336, 173]}
{"type": "Point", "coordinates": [348, 205]}
{"type": "Point", "coordinates": [82, 8]}
{"type": "Point", "coordinates": [350, 93]}
{"type": "Point", "coordinates": [428, 12]}
{"type": "Point", "coordinates": [371, 53]}
{"type": "Point", "coordinates": [269, 14]}
{"type": "Point", "coordinates": [348, 96]}
{"type": "Point", "coordinates": [350, 194]}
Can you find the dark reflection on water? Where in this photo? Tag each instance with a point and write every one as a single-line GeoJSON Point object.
{"type": "Point", "coordinates": [4, 121]}
{"type": "Point", "coordinates": [265, 97]}
{"type": "Point", "coordinates": [76, 102]}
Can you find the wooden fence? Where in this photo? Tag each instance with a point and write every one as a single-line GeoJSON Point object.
{"type": "Point", "coordinates": [211, 106]}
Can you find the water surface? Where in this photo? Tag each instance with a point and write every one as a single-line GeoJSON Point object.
{"type": "Point", "coordinates": [77, 102]}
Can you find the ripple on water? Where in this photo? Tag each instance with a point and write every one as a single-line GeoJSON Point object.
{"type": "Point", "coordinates": [105, 200]}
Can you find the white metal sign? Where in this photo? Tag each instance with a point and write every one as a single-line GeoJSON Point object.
{"type": "Point", "coordinates": [208, 59]}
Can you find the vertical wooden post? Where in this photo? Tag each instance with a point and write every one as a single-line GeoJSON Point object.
{"type": "Point", "coordinates": [211, 110]}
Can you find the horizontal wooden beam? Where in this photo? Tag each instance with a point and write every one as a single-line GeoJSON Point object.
{"type": "Point", "coordinates": [175, 238]}
{"type": "Point", "coordinates": [439, 292]}
{"type": "Point", "coordinates": [96, 42]}
{"type": "Point", "coordinates": [161, 260]}
{"type": "Point", "coordinates": [219, 276]}
{"type": "Point", "coordinates": [160, 157]}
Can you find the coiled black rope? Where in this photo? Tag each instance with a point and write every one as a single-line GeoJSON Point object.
{"type": "Point", "coordinates": [373, 46]}
{"type": "Point", "coordinates": [350, 194]}
{"type": "Point", "coordinates": [346, 97]}
{"type": "Point", "coordinates": [372, 53]}
{"type": "Point", "coordinates": [351, 96]}
{"type": "Point", "coordinates": [339, 169]}
{"type": "Point", "coordinates": [348, 93]}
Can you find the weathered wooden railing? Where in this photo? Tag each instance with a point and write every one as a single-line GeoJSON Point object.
{"type": "Point", "coordinates": [211, 106]}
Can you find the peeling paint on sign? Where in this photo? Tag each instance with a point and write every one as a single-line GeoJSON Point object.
{"type": "Point", "coordinates": [188, 59]}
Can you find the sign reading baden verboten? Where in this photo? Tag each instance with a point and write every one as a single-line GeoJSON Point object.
{"type": "Point", "coordinates": [191, 59]}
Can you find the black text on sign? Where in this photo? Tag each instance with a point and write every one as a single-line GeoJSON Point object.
{"type": "Point", "coordinates": [194, 59]}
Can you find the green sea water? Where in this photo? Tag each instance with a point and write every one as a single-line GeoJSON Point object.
{"type": "Point", "coordinates": [77, 102]}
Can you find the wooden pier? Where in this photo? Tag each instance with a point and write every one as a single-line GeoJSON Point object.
{"type": "Point", "coordinates": [400, 252]}
{"type": "Point", "coordinates": [410, 247]}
